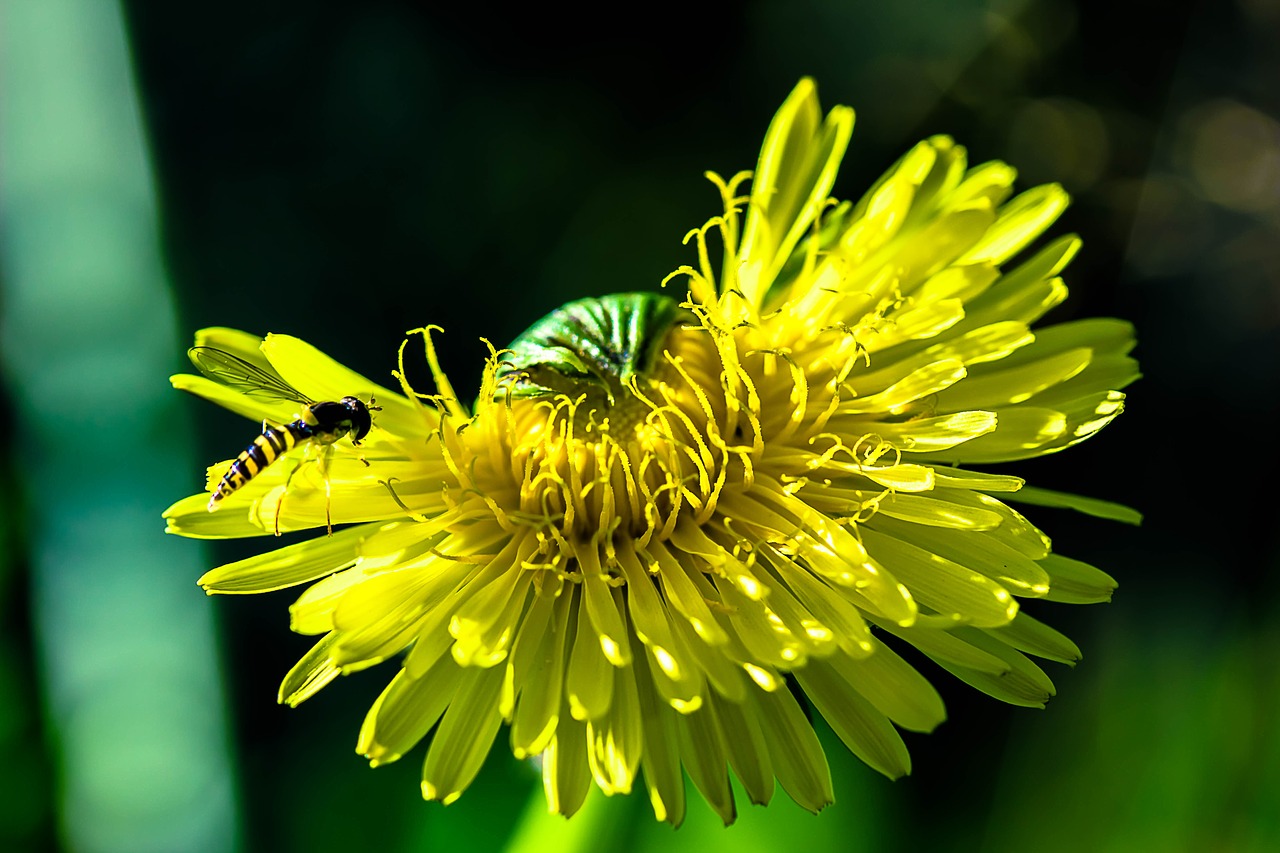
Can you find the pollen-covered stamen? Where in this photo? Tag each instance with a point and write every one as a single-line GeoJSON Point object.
{"type": "Point", "coordinates": [594, 443]}
{"type": "Point", "coordinates": [631, 453]}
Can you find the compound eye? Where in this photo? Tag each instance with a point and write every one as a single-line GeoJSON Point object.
{"type": "Point", "coordinates": [360, 419]}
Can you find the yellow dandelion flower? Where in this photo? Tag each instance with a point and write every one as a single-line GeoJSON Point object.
{"type": "Point", "coordinates": [665, 524]}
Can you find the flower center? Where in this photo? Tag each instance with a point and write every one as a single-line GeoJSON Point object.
{"type": "Point", "coordinates": [616, 421]}
{"type": "Point", "coordinates": [621, 429]}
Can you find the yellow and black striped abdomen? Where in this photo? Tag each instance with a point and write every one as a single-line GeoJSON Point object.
{"type": "Point", "coordinates": [266, 448]}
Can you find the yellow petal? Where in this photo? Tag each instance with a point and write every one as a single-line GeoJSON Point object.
{"type": "Point", "coordinates": [702, 753]}
{"type": "Point", "coordinates": [406, 711]}
{"type": "Point", "coordinates": [310, 674]}
{"type": "Point", "coordinates": [892, 686]}
{"type": "Point", "coordinates": [747, 749]}
{"type": "Point", "coordinates": [867, 732]}
{"type": "Point", "coordinates": [1023, 684]}
{"type": "Point", "coordinates": [945, 586]}
{"type": "Point", "coordinates": [536, 670]}
{"type": "Point", "coordinates": [465, 734]}
{"type": "Point", "coordinates": [796, 170]}
{"type": "Point", "coordinates": [615, 742]}
{"type": "Point", "coordinates": [1018, 223]}
{"type": "Point", "coordinates": [589, 677]}
{"type": "Point", "coordinates": [190, 517]}
{"type": "Point", "coordinates": [660, 760]}
{"type": "Point", "coordinates": [797, 756]}
{"type": "Point", "coordinates": [257, 409]}
{"type": "Point", "coordinates": [243, 345]}
{"type": "Point", "coordinates": [285, 567]}
{"type": "Point", "coordinates": [566, 776]}
{"type": "Point", "coordinates": [1074, 582]}
{"type": "Point", "coordinates": [1036, 638]}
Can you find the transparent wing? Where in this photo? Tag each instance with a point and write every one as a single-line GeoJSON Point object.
{"type": "Point", "coordinates": [234, 372]}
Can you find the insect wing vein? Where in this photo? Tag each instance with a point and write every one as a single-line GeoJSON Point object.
{"type": "Point", "coordinates": [234, 372]}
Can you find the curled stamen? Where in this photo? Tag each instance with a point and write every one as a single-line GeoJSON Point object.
{"type": "Point", "coordinates": [443, 385]}
{"type": "Point", "coordinates": [416, 516]}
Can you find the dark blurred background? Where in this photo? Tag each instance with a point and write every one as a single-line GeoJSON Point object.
{"type": "Point", "coordinates": [345, 172]}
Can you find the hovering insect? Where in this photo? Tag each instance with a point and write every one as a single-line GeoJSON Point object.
{"type": "Point", "coordinates": [320, 423]}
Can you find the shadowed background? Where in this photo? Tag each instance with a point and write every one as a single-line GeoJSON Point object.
{"type": "Point", "coordinates": [344, 174]}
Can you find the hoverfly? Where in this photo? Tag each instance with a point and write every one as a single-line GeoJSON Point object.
{"type": "Point", "coordinates": [320, 423]}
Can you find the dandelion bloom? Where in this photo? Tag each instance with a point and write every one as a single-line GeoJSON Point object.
{"type": "Point", "coordinates": [667, 524]}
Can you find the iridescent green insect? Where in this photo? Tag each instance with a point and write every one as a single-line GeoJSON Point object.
{"type": "Point", "coordinates": [591, 346]}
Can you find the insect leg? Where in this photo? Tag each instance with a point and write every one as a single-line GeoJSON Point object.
{"type": "Point", "coordinates": [373, 407]}
{"type": "Point", "coordinates": [358, 445]}
{"type": "Point", "coordinates": [323, 462]}
{"type": "Point", "coordinates": [285, 491]}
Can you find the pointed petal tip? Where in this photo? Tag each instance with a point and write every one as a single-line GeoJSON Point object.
{"type": "Point", "coordinates": [383, 760]}
{"type": "Point", "coordinates": [431, 793]}
{"type": "Point", "coordinates": [815, 808]}
{"type": "Point", "coordinates": [843, 116]}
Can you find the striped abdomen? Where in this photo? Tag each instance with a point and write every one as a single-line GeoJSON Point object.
{"type": "Point", "coordinates": [266, 448]}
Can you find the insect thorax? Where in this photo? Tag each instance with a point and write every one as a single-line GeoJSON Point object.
{"type": "Point", "coordinates": [330, 421]}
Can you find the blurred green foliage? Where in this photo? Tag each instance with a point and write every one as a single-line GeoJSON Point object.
{"type": "Point", "coordinates": [133, 712]}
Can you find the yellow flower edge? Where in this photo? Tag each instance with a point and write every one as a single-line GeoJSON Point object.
{"type": "Point", "coordinates": [655, 585]}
